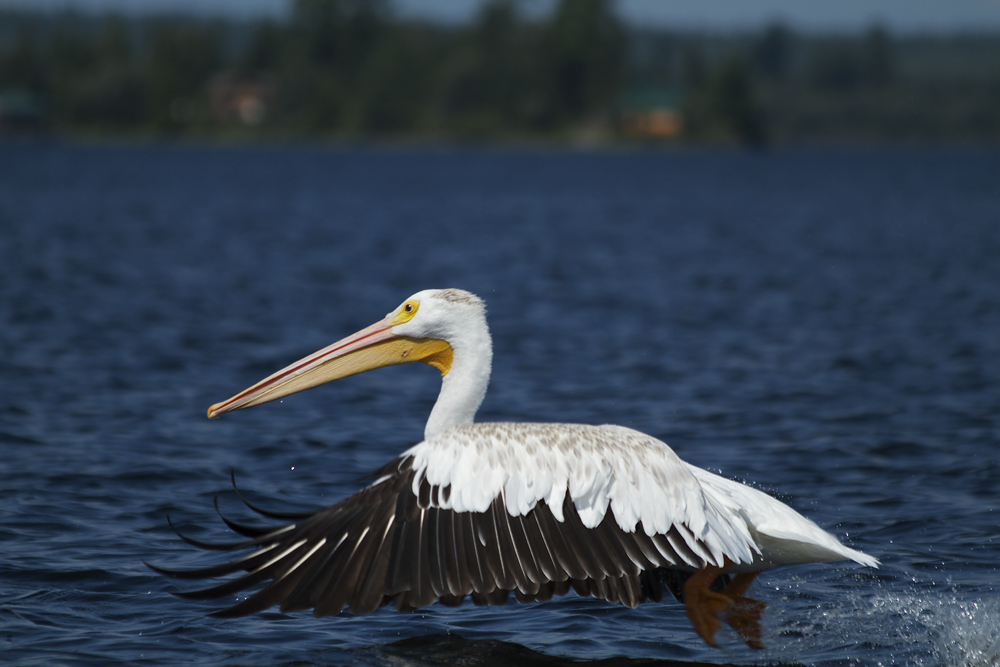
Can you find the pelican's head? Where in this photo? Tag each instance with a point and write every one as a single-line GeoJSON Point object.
{"type": "Point", "coordinates": [427, 327]}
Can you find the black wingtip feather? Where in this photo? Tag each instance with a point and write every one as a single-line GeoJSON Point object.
{"type": "Point", "coordinates": [209, 546]}
{"type": "Point", "coordinates": [284, 516]}
{"type": "Point", "coordinates": [175, 574]}
{"type": "Point", "coordinates": [239, 528]}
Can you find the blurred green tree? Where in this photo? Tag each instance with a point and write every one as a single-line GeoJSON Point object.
{"type": "Point", "coordinates": [877, 57]}
{"type": "Point", "coordinates": [22, 64]}
{"type": "Point", "coordinates": [395, 84]}
{"type": "Point", "coordinates": [734, 104]}
{"type": "Point", "coordinates": [264, 51]}
{"type": "Point", "coordinates": [490, 86]}
{"type": "Point", "coordinates": [182, 56]}
{"type": "Point", "coordinates": [333, 43]}
{"type": "Point", "coordinates": [109, 90]}
{"type": "Point", "coordinates": [773, 53]}
{"type": "Point", "coordinates": [694, 70]}
{"type": "Point", "coordinates": [586, 50]}
{"type": "Point", "coordinates": [834, 65]}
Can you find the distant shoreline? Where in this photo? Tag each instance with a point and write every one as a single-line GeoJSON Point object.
{"type": "Point", "coordinates": [579, 79]}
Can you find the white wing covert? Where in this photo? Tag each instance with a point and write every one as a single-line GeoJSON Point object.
{"type": "Point", "coordinates": [639, 478]}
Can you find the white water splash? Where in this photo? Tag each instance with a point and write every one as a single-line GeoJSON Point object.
{"type": "Point", "coordinates": [928, 625]}
{"type": "Point", "coordinates": [966, 633]}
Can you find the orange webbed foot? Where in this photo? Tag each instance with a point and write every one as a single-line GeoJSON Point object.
{"type": "Point", "coordinates": [703, 606]}
{"type": "Point", "coordinates": [745, 613]}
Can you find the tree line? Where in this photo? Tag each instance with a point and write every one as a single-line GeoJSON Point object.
{"type": "Point", "coordinates": [347, 69]}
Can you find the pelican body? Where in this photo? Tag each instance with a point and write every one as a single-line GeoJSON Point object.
{"type": "Point", "coordinates": [486, 509]}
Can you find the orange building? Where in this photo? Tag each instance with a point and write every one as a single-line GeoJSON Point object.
{"type": "Point", "coordinates": [650, 112]}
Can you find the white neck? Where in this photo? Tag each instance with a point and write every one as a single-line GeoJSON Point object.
{"type": "Point", "coordinates": [464, 387]}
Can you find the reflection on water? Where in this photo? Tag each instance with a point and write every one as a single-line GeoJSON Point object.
{"type": "Point", "coordinates": [455, 649]}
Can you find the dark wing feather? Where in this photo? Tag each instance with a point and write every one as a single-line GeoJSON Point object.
{"type": "Point", "coordinates": [286, 516]}
{"type": "Point", "coordinates": [386, 544]}
{"type": "Point", "coordinates": [209, 546]}
{"type": "Point", "coordinates": [238, 528]}
{"type": "Point", "coordinates": [488, 544]}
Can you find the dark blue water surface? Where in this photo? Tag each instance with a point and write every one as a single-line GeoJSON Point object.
{"type": "Point", "coordinates": [822, 324]}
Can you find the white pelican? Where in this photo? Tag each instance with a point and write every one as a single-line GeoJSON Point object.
{"type": "Point", "coordinates": [488, 509]}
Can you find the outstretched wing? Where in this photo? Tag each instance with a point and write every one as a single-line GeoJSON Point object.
{"type": "Point", "coordinates": [398, 543]}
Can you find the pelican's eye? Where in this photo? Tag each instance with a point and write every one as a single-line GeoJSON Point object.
{"type": "Point", "coordinates": [406, 312]}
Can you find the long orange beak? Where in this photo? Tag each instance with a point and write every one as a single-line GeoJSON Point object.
{"type": "Point", "coordinates": [372, 347]}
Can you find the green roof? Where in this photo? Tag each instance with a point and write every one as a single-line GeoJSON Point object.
{"type": "Point", "coordinates": [19, 104]}
{"type": "Point", "coordinates": [650, 98]}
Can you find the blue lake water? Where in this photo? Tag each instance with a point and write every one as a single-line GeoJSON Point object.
{"type": "Point", "coordinates": [824, 325]}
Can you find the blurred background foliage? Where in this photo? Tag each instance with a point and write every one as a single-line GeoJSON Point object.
{"type": "Point", "coordinates": [352, 69]}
